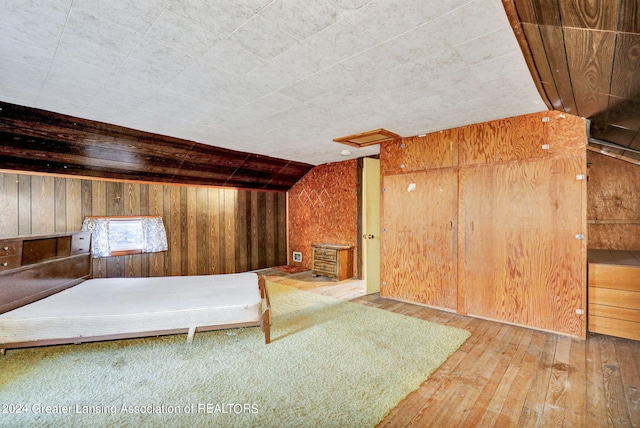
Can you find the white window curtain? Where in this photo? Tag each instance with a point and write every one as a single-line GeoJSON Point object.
{"type": "Point", "coordinates": [154, 235]}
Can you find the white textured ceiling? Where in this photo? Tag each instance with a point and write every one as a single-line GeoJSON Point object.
{"type": "Point", "coordinates": [280, 78]}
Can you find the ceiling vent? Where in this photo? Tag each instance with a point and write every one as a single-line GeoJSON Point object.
{"type": "Point", "coordinates": [368, 138]}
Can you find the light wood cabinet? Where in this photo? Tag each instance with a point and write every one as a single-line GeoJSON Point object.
{"type": "Point", "coordinates": [614, 293]}
{"type": "Point", "coordinates": [332, 260]}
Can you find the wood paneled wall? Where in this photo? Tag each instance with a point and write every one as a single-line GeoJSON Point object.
{"type": "Point", "coordinates": [484, 220]}
{"type": "Point", "coordinates": [614, 203]}
{"type": "Point", "coordinates": [323, 208]}
{"type": "Point", "coordinates": [209, 230]}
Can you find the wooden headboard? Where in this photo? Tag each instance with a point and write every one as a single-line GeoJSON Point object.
{"type": "Point", "coordinates": [34, 267]}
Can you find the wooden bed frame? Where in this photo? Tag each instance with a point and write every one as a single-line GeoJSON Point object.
{"type": "Point", "coordinates": [32, 268]}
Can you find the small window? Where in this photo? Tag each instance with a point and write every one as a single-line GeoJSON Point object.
{"type": "Point", "coordinates": [120, 236]}
{"type": "Point", "coordinates": [125, 236]}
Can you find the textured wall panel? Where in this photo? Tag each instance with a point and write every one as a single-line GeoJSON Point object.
{"type": "Point", "coordinates": [614, 204]}
{"type": "Point", "coordinates": [323, 209]}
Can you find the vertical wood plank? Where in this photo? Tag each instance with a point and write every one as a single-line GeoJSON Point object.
{"type": "Point", "coordinates": [145, 259]}
{"type": "Point", "coordinates": [24, 212]}
{"type": "Point", "coordinates": [262, 229]}
{"type": "Point", "coordinates": [241, 238]}
{"type": "Point", "coordinates": [156, 207]}
{"type": "Point", "coordinates": [175, 263]}
{"type": "Point", "coordinates": [248, 230]}
{"type": "Point", "coordinates": [229, 230]}
{"type": "Point", "coordinates": [42, 203]}
{"type": "Point", "coordinates": [60, 204]}
{"type": "Point", "coordinates": [270, 232]}
{"type": "Point", "coordinates": [215, 265]}
{"type": "Point", "coordinates": [184, 235]}
{"type": "Point", "coordinates": [595, 399]}
{"type": "Point", "coordinates": [554, 406]}
{"type": "Point", "coordinates": [98, 207]}
{"type": "Point", "coordinates": [616, 411]}
{"type": "Point", "coordinates": [534, 39]}
{"type": "Point", "coordinates": [115, 207]}
{"type": "Point", "coordinates": [191, 231]}
{"type": "Point", "coordinates": [553, 40]}
{"type": "Point", "coordinates": [590, 55]}
{"type": "Point", "coordinates": [255, 229]}
{"type": "Point", "coordinates": [203, 231]}
{"type": "Point", "coordinates": [9, 201]}
{"type": "Point", "coordinates": [576, 390]}
{"type": "Point", "coordinates": [281, 218]}
{"type": "Point", "coordinates": [74, 210]}
{"type": "Point", "coordinates": [532, 411]}
{"type": "Point", "coordinates": [132, 201]}
{"type": "Point", "coordinates": [86, 188]}
{"type": "Point", "coordinates": [629, 371]}
{"type": "Point", "coordinates": [168, 224]}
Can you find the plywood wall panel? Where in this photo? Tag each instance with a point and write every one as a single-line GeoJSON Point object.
{"type": "Point", "coordinates": [435, 150]}
{"type": "Point", "coordinates": [515, 138]}
{"type": "Point", "coordinates": [202, 224]}
{"type": "Point", "coordinates": [420, 236]}
{"type": "Point", "coordinates": [613, 209]}
{"type": "Point", "coordinates": [323, 209]}
{"type": "Point", "coordinates": [566, 135]}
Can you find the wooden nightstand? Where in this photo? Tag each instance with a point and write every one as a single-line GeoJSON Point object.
{"type": "Point", "coordinates": [332, 260]}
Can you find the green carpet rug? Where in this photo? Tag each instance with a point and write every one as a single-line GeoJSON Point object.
{"type": "Point", "coordinates": [331, 363]}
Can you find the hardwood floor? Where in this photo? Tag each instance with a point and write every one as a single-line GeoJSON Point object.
{"type": "Point", "coordinates": [506, 376]}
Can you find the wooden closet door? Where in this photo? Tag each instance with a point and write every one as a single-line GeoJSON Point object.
{"type": "Point", "coordinates": [419, 246]}
{"type": "Point", "coordinates": [522, 261]}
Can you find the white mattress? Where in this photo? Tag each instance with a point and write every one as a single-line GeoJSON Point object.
{"type": "Point", "coordinates": [130, 305]}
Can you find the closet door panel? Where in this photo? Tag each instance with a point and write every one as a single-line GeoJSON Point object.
{"type": "Point", "coordinates": [419, 238]}
{"type": "Point", "coordinates": [522, 261]}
